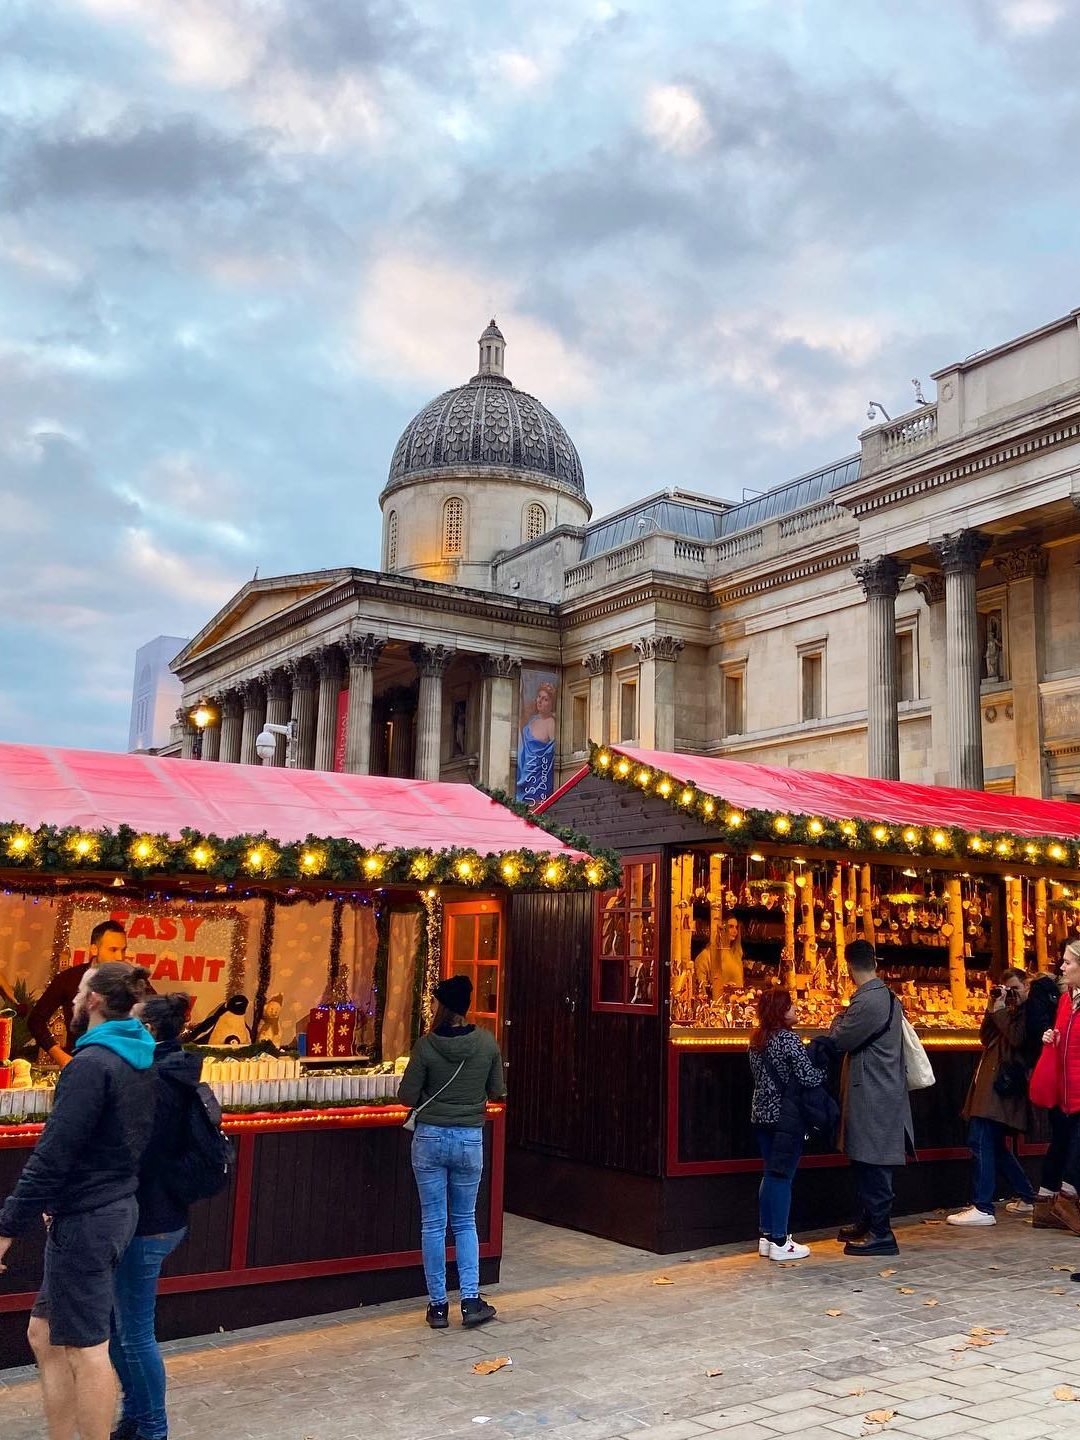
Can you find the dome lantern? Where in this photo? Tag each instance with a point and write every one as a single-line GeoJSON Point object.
{"type": "Point", "coordinates": [492, 349]}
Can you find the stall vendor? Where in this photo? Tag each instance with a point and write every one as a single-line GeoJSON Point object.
{"type": "Point", "coordinates": [108, 941]}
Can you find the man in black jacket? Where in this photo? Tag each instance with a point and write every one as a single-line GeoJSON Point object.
{"type": "Point", "coordinates": [108, 942]}
{"type": "Point", "coordinates": [83, 1175]}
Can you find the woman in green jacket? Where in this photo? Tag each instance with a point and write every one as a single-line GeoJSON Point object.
{"type": "Point", "coordinates": [453, 1071]}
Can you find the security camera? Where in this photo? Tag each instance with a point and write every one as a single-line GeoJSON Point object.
{"type": "Point", "coordinates": [265, 746]}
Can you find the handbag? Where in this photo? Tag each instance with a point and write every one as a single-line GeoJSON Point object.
{"type": "Point", "coordinates": [920, 1073]}
{"type": "Point", "coordinates": [1011, 1080]}
{"type": "Point", "coordinates": [1043, 1085]}
{"type": "Point", "coordinates": [409, 1123]}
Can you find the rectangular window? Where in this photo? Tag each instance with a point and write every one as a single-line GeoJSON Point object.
{"type": "Point", "coordinates": [905, 665]}
{"type": "Point", "coordinates": [472, 946]}
{"type": "Point", "coordinates": [580, 727]}
{"type": "Point", "coordinates": [624, 941]}
{"type": "Point", "coordinates": [812, 664]}
{"type": "Point", "coordinates": [734, 702]}
{"type": "Point", "coordinates": [628, 710]}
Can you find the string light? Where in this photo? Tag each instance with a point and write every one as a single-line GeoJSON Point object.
{"type": "Point", "coordinates": [911, 835]}
{"type": "Point", "coordinates": [781, 824]}
{"type": "Point", "coordinates": [464, 869]}
{"type": "Point", "coordinates": [202, 856]}
{"type": "Point", "coordinates": [664, 787]}
{"type": "Point", "coordinates": [939, 838]}
{"type": "Point", "coordinates": [21, 843]}
{"type": "Point", "coordinates": [1057, 852]}
{"type": "Point", "coordinates": [312, 861]}
{"type": "Point", "coordinates": [880, 833]}
{"type": "Point", "coordinates": [734, 819]}
{"type": "Point", "coordinates": [623, 767]}
{"type": "Point", "coordinates": [643, 777]}
{"type": "Point", "coordinates": [974, 843]}
{"type": "Point", "coordinates": [373, 866]}
{"type": "Point", "coordinates": [603, 759]}
{"type": "Point", "coordinates": [687, 796]}
{"type": "Point", "coordinates": [593, 874]}
{"type": "Point", "coordinates": [709, 809]}
{"type": "Point", "coordinates": [849, 829]}
{"type": "Point", "coordinates": [551, 873]}
{"type": "Point", "coordinates": [815, 827]}
{"type": "Point", "coordinates": [511, 870]}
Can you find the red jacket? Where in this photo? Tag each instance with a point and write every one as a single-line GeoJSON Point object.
{"type": "Point", "coordinates": [1067, 1024]}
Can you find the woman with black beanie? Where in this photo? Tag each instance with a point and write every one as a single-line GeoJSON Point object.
{"type": "Point", "coordinates": [453, 1071]}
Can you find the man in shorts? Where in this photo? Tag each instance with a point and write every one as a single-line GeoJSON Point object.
{"type": "Point", "coordinates": [82, 1176]}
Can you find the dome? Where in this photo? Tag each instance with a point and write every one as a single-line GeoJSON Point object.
{"type": "Point", "coordinates": [487, 424]}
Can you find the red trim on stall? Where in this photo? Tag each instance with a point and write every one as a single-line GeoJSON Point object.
{"type": "Point", "coordinates": [241, 1207]}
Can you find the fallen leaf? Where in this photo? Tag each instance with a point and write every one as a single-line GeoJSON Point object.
{"type": "Point", "coordinates": [879, 1417]}
{"type": "Point", "coordinates": [834, 1313]}
{"type": "Point", "coordinates": [1065, 1392]}
{"type": "Point", "coordinates": [488, 1367]}
{"type": "Point", "coordinates": [904, 1290]}
{"type": "Point", "coordinates": [859, 1390]}
{"type": "Point", "coordinates": [1057, 1290]}
{"type": "Point", "coordinates": [712, 1374]}
{"type": "Point", "coordinates": [886, 1273]}
{"type": "Point", "coordinates": [931, 1303]}
{"type": "Point", "coordinates": [942, 1222]}
{"type": "Point", "coordinates": [1067, 1268]}
{"type": "Point", "coordinates": [663, 1280]}
{"type": "Point", "coordinates": [977, 1341]}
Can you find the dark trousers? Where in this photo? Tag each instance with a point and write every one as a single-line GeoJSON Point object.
{"type": "Point", "coordinates": [1062, 1159]}
{"type": "Point", "coordinates": [874, 1189]}
{"type": "Point", "coordinates": [992, 1157]}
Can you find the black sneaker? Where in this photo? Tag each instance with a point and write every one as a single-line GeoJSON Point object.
{"type": "Point", "coordinates": [438, 1316]}
{"type": "Point", "coordinates": [857, 1231]}
{"type": "Point", "coordinates": [873, 1245]}
{"type": "Point", "coordinates": [477, 1311]}
{"type": "Point", "coordinates": [126, 1430]}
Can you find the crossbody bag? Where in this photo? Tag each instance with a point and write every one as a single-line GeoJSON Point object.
{"type": "Point", "coordinates": [409, 1123]}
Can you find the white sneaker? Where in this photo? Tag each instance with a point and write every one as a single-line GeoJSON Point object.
{"type": "Point", "coordinates": [1020, 1207]}
{"type": "Point", "coordinates": [790, 1250]}
{"type": "Point", "coordinates": [972, 1216]}
{"type": "Point", "coordinates": [763, 1247]}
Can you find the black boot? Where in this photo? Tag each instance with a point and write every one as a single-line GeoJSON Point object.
{"type": "Point", "coordinates": [438, 1316]}
{"type": "Point", "coordinates": [126, 1430]}
{"type": "Point", "coordinates": [477, 1311]}
{"type": "Point", "coordinates": [858, 1230]}
{"type": "Point", "coordinates": [884, 1244]}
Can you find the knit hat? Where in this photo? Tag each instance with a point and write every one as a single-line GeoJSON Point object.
{"type": "Point", "coordinates": [455, 994]}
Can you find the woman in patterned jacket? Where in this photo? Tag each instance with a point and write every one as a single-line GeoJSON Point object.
{"type": "Point", "coordinates": [777, 1055]}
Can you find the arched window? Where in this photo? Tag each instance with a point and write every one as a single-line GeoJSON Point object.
{"type": "Point", "coordinates": [391, 540]}
{"type": "Point", "coordinates": [453, 525]}
{"type": "Point", "coordinates": [535, 521]}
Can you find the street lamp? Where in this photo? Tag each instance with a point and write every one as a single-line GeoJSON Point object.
{"type": "Point", "coordinates": [200, 717]}
{"type": "Point", "coordinates": [266, 743]}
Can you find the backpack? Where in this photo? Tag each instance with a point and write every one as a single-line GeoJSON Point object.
{"type": "Point", "coordinates": [201, 1163]}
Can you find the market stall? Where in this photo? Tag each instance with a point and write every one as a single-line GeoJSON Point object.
{"type": "Point", "coordinates": [332, 904]}
{"type": "Point", "coordinates": [735, 876]}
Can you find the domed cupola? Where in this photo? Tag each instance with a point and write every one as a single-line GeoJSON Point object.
{"type": "Point", "coordinates": [480, 470]}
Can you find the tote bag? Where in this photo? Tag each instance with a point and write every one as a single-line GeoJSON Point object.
{"type": "Point", "coordinates": [920, 1073]}
{"type": "Point", "coordinates": [1043, 1087]}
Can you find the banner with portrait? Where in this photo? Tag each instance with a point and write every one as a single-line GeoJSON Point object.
{"type": "Point", "coordinates": [538, 735]}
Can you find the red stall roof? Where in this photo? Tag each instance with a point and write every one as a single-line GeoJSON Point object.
{"type": "Point", "coordinates": [854, 797]}
{"type": "Point", "coordinates": [91, 789]}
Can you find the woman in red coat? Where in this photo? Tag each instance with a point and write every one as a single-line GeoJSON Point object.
{"type": "Point", "coordinates": [1065, 1038]}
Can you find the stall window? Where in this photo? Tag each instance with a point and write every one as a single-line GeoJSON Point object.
{"type": "Point", "coordinates": [624, 947]}
{"type": "Point", "coordinates": [472, 945]}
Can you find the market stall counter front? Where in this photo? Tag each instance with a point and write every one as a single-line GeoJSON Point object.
{"type": "Point", "coordinates": [736, 876]}
{"type": "Point", "coordinates": [310, 916]}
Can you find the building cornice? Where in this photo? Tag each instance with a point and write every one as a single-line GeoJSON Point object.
{"type": "Point", "coordinates": [642, 590]}
{"type": "Point", "coordinates": [724, 591]}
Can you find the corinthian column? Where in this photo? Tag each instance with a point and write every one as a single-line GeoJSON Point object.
{"type": "Point", "coordinates": [211, 739]}
{"type": "Point", "coordinates": [278, 697]}
{"type": "Point", "coordinates": [500, 677]}
{"type": "Point", "coordinates": [960, 555]}
{"type": "Point", "coordinates": [331, 669]}
{"type": "Point", "coordinates": [363, 652]}
{"type": "Point", "coordinates": [301, 673]}
{"type": "Point", "coordinates": [881, 579]}
{"type": "Point", "coordinates": [432, 661]}
{"type": "Point", "coordinates": [232, 711]}
{"type": "Point", "coordinates": [253, 696]}
{"type": "Point", "coordinates": [656, 694]}
{"type": "Point", "coordinates": [187, 734]}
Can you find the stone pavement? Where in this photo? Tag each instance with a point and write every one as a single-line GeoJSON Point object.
{"type": "Point", "coordinates": [603, 1348]}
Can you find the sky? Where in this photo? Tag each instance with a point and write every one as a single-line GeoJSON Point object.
{"type": "Point", "coordinates": [242, 242]}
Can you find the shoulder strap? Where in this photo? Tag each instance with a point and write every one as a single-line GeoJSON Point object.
{"type": "Point", "coordinates": [453, 1077]}
{"type": "Point", "coordinates": [877, 1033]}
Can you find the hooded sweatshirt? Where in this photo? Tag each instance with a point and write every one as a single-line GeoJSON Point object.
{"type": "Point", "coordinates": [103, 1111]}
{"type": "Point", "coordinates": [176, 1074]}
{"type": "Point", "coordinates": [435, 1058]}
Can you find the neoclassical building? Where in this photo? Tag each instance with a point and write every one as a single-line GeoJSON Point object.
{"type": "Point", "coordinates": [910, 610]}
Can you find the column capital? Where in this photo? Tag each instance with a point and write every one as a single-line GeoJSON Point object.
{"type": "Point", "coordinates": [278, 684]}
{"type": "Point", "coordinates": [183, 717]}
{"type": "Point", "coordinates": [961, 552]}
{"type": "Point", "coordinates": [931, 587]}
{"type": "Point", "coordinates": [251, 691]}
{"type": "Point", "coordinates": [230, 703]}
{"type": "Point", "coordinates": [431, 659]}
{"type": "Point", "coordinates": [883, 575]}
{"type": "Point", "coordinates": [328, 660]}
{"type": "Point", "coordinates": [1027, 562]}
{"type": "Point", "coordinates": [364, 649]}
{"type": "Point", "coordinates": [301, 671]}
{"type": "Point", "coordinates": [500, 667]}
{"type": "Point", "coordinates": [659, 647]}
{"type": "Point", "coordinates": [597, 662]}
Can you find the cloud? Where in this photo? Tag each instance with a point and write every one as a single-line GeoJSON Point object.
{"type": "Point", "coordinates": [675, 119]}
{"type": "Point", "coordinates": [1030, 17]}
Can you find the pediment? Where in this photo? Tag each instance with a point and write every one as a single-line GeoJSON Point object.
{"type": "Point", "coordinates": [254, 604]}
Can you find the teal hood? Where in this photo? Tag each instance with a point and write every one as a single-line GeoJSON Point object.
{"type": "Point", "coordinates": [129, 1039]}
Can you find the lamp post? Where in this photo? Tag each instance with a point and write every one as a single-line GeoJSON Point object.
{"type": "Point", "coordinates": [266, 743]}
{"type": "Point", "coordinates": [200, 717]}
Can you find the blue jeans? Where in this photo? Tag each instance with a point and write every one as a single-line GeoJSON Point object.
{"type": "Point", "coordinates": [774, 1193]}
{"type": "Point", "coordinates": [133, 1348]}
{"type": "Point", "coordinates": [448, 1161]}
{"type": "Point", "coordinates": [986, 1140]}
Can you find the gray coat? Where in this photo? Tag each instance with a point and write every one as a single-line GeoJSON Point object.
{"type": "Point", "coordinates": [876, 1111]}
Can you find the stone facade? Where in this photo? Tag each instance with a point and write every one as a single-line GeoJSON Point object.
{"type": "Point", "coordinates": [911, 611]}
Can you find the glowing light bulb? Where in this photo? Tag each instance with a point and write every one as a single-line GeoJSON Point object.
{"type": "Point", "coordinates": [19, 844]}
{"type": "Point", "coordinates": [82, 846]}
{"type": "Point", "coordinates": [687, 796]}
{"type": "Point", "coordinates": [880, 833]}
{"type": "Point", "coordinates": [623, 767]}
{"type": "Point", "coordinates": [709, 808]}
{"type": "Point", "coordinates": [142, 850]}
{"type": "Point", "coordinates": [734, 819]}
{"type": "Point", "coordinates": [782, 824]}
{"type": "Point", "coordinates": [373, 864]}
{"type": "Point", "coordinates": [939, 838]}
{"type": "Point", "coordinates": [592, 874]}
{"type": "Point", "coordinates": [201, 856]}
{"type": "Point", "coordinates": [910, 835]}
{"type": "Point", "coordinates": [255, 858]}
{"type": "Point", "coordinates": [551, 874]}
{"type": "Point", "coordinates": [1057, 852]}
{"type": "Point", "coordinates": [603, 760]}
{"type": "Point", "coordinates": [643, 777]}
{"type": "Point", "coordinates": [815, 827]}
{"type": "Point", "coordinates": [664, 788]}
